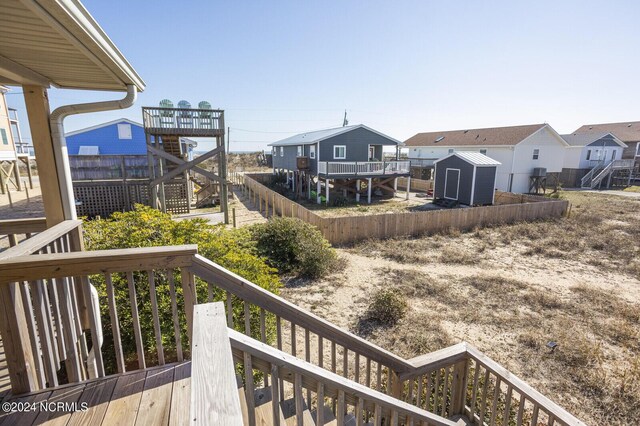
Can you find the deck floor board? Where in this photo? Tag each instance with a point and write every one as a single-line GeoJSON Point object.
{"type": "Point", "coordinates": [139, 397]}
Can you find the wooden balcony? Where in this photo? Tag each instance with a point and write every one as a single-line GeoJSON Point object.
{"type": "Point", "coordinates": [183, 122]}
{"type": "Point", "coordinates": [151, 381]}
{"type": "Point", "coordinates": [363, 168]}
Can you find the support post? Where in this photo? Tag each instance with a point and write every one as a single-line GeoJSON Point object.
{"type": "Point", "coordinates": [51, 183]}
{"type": "Point", "coordinates": [395, 186]}
{"type": "Point", "coordinates": [369, 190]}
{"type": "Point", "coordinates": [408, 186]}
{"type": "Point", "coordinates": [16, 174]}
{"type": "Point", "coordinates": [358, 190]}
{"type": "Point", "coordinates": [326, 184]}
{"type": "Point", "coordinates": [318, 189]}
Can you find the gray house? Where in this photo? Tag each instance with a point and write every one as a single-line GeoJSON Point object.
{"type": "Point", "coordinates": [466, 178]}
{"type": "Point", "coordinates": [348, 158]}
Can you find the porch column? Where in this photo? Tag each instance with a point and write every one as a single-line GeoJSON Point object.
{"type": "Point", "coordinates": [358, 190]}
{"type": "Point", "coordinates": [408, 185]}
{"type": "Point", "coordinates": [318, 191]}
{"type": "Point", "coordinates": [55, 187]}
{"type": "Point", "coordinates": [369, 191]}
{"type": "Point", "coordinates": [326, 188]}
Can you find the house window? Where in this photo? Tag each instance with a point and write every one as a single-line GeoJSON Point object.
{"type": "Point", "coordinates": [282, 151]}
{"type": "Point", "coordinates": [589, 155]}
{"type": "Point", "coordinates": [124, 131]}
{"type": "Point", "coordinates": [5, 141]}
{"type": "Point", "coordinates": [536, 154]}
{"type": "Point", "coordinates": [450, 150]}
{"type": "Point", "coordinates": [312, 151]}
{"type": "Point", "coordinates": [339, 152]}
{"type": "Point", "coordinates": [300, 151]}
{"type": "Point", "coordinates": [613, 155]}
{"type": "Point", "coordinates": [273, 150]}
{"type": "Point", "coordinates": [483, 151]}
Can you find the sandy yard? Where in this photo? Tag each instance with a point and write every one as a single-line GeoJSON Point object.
{"type": "Point", "coordinates": [508, 291]}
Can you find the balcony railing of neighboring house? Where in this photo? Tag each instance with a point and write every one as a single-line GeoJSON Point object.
{"type": "Point", "coordinates": [422, 162]}
{"type": "Point", "coordinates": [363, 168]}
{"type": "Point", "coordinates": [181, 121]}
{"type": "Point", "coordinates": [362, 379]}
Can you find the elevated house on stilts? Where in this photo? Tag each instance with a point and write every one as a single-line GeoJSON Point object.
{"type": "Point", "coordinates": [348, 160]}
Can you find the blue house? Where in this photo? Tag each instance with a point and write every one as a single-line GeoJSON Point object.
{"type": "Point", "coordinates": [118, 137]}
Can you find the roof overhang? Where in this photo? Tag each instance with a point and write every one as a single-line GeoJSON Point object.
{"type": "Point", "coordinates": [58, 43]}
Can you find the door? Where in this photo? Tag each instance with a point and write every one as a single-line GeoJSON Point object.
{"type": "Point", "coordinates": [451, 184]}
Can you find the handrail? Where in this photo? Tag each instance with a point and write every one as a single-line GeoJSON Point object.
{"type": "Point", "coordinates": [463, 352]}
{"type": "Point", "coordinates": [212, 401]}
{"type": "Point", "coordinates": [227, 280]}
{"type": "Point", "coordinates": [23, 226]}
{"type": "Point", "coordinates": [588, 178]}
{"type": "Point", "coordinates": [264, 358]}
{"type": "Point", "coordinates": [41, 240]}
{"type": "Point", "coordinates": [30, 268]}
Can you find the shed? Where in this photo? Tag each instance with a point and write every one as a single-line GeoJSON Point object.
{"type": "Point", "coordinates": [466, 177]}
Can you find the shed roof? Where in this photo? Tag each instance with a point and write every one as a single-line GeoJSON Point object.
{"type": "Point", "coordinates": [584, 139]}
{"type": "Point", "coordinates": [320, 135]}
{"type": "Point", "coordinates": [628, 131]}
{"type": "Point", "coordinates": [507, 136]}
{"type": "Point", "coordinates": [57, 42]}
{"type": "Point", "coordinates": [475, 158]}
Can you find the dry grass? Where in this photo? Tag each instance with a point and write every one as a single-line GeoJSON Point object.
{"type": "Point", "coordinates": [484, 286]}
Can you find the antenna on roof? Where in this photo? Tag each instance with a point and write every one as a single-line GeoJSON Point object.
{"type": "Point", "coordinates": [345, 122]}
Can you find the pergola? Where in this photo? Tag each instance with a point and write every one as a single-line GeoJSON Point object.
{"type": "Point", "coordinates": [57, 43]}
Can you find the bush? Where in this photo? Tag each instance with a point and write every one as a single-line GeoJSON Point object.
{"type": "Point", "coordinates": [387, 307]}
{"type": "Point", "coordinates": [294, 246]}
{"type": "Point", "coordinates": [146, 227]}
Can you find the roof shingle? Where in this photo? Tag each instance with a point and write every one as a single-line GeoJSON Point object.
{"type": "Point", "coordinates": [627, 132]}
{"type": "Point", "coordinates": [506, 136]}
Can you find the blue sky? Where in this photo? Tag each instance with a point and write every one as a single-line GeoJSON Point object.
{"type": "Point", "coordinates": [282, 67]}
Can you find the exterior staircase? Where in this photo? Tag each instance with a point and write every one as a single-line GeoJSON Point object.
{"type": "Point", "coordinates": [598, 174]}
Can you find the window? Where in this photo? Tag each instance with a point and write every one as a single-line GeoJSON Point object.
{"type": "Point", "coordinates": [300, 151]}
{"type": "Point", "coordinates": [589, 155]}
{"type": "Point", "coordinates": [450, 150]}
{"type": "Point", "coordinates": [536, 154]}
{"type": "Point", "coordinates": [483, 151]}
{"type": "Point", "coordinates": [312, 151]}
{"type": "Point", "coordinates": [5, 141]}
{"type": "Point", "coordinates": [124, 131]}
{"type": "Point", "coordinates": [273, 150]}
{"type": "Point", "coordinates": [613, 155]}
{"type": "Point", "coordinates": [282, 151]}
{"type": "Point", "coordinates": [339, 152]}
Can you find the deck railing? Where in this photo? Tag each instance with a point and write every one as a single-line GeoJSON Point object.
{"type": "Point", "coordinates": [174, 120]}
{"type": "Point", "coordinates": [363, 168]}
{"type": "Point", "coordinates": [456, 381]}
{"type": "Point", "coordinates": [17, 230]}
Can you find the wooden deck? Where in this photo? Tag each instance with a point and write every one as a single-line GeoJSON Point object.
{"type": "Point", "coordinates": [156, 396]}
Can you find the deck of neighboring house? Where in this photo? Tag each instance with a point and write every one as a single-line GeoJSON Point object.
{"type": "Point", "coordinates": [159, 395]}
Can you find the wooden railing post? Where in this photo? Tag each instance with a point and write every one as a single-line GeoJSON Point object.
{"type": "Point", "coordinates": [396, 385]}
{"type": "Point", "coordinates": [458, 385]}
{"type": "Point", "coordinates": [15, 339]}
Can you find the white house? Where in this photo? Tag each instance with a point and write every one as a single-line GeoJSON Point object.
{"type": "Point", "coordinates": [586, 151]}
{"type": "Point", "coordinates": [519, 149]}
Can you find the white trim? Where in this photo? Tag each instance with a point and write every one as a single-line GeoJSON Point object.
{"type": "Point", "coordinates": [455, 154]}
{"type": "Point", "coordinates": [99, 126]}
{"type": "Point", "coordinates": [312, 151]}
{"type": "Point", "coordinates": [473, 185]}
{"type": "Point", "coordinates": [345, 152]}
{"type": "Point", "coordinates": [446, 175]}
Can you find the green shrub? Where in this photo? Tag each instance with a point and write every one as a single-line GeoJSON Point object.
{"type": "Point", "coordinates": [387, 307]}
{"type": "Point", "coordinates": [294, 246]}
{"type": "Point", "coordinates": [146, 227]}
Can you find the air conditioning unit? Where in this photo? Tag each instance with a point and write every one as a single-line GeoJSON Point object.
{"type": "Point", "coordinates": [539, 172]}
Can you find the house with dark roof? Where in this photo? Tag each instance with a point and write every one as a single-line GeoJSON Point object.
{"type": "Point", "coordinates": [349, 159]}
{"type": "Point", "coordinates": [627, 132]}
{"type": "Point", "coordinates": [522, 151]}
{"type": "Point", "coordinates": [587, 152]}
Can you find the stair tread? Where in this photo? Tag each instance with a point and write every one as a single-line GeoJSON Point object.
{"type": "Point", "coordinates": [289, 411]}
{"type": "Point", "coordinates": [264, 407]}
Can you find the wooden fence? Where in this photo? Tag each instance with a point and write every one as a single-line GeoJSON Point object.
{"type": "Point", "coordinates": [416, 184]}
{"type": "Point", "coordinates": [347, 229]}
{"type": "Point", "coordinates": [102, 167]}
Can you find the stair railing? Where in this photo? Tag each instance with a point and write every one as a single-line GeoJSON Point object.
{"type": "Point", "coordinates": [587, 179]}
